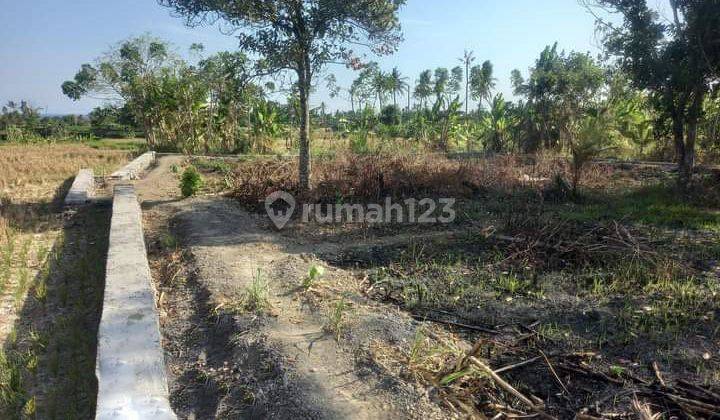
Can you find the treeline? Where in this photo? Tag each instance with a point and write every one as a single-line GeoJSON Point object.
{"type": "Point", "coordinates": [22, 122]}
{"type": "Point", "coordinates": [568, 103]}
{"type": "Point", "coordinates": [216, 104]}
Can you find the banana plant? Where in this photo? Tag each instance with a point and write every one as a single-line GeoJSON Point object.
{"type": "Point", "coordinates": [264, 126]}
{"type": "Point", "coordinates": [496, 124]}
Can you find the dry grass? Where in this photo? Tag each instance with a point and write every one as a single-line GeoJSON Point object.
{"type": "Point", "coordinates": [351, 177]}
{"type": "Point", "coordinates": [33, 182]}
{"type": "Point", "coordinates": [33, 172]}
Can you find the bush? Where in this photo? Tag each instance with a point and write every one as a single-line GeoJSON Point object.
{"type": "Point", "coordinates": [390, 115]}
{"type": "Point", "coordinates": [191, 182]}
{"type": "Point", "coordinates": [359, 142]}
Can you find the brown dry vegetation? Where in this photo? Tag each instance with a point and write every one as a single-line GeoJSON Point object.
{"type": "Point", "coordinates": [365, 178]}
{"type": "Point", "coordinates": [48, 279]}
{"type": "Point", "coordinates": [591, 290]}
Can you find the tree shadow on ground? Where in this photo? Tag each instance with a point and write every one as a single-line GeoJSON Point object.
{"type": "Point", "coordinates": [51, 354]}
{"type": "Point", "coordinates": [33, 217]}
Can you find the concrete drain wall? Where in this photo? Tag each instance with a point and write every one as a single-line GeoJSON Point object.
{"type": "Point", "coordinates": [130, 365]}
{"type": "Point", "coordinates": [133, 169]}
{"type": "Point", "coordinates": [82, 188]}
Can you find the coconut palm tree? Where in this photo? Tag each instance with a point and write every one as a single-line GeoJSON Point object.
{"type": "Point", "coordinates": [396, 83]}
{"type": "Point", "coordinates": [482, 83]}
{"type": "Point", "coordinates": [424, 88]}
{"type": "Point", "coordinates": [440, 83]}
{"type": "Point", "coordinates": [381, 86]}
{"type": "Point", "coordinates": [456, 79]}
{"type": "Point", "coordinates": [467, 59]}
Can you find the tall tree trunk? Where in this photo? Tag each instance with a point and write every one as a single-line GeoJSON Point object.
{"type": "Point", "coordinates": [304, 160]}
{"type": "Point", "coordinates": [149, 133]}
{"type": "Point", "coordinates": [686, 161]}
{"type": "Point", "coordinates": [678, 130]}
{"type": "Point", "coordinates": [467, 91]}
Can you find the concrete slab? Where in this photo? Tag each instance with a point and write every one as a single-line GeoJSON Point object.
{"type": "Point", "coordinates": [132, 383]}
{"type": "Point", "coordinates": [133, 169]}
{"type": "Point", "coordinates": [82, 188]}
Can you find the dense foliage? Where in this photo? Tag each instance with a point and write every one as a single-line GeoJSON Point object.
{"type": "Point", "coordinates": [655, 98]}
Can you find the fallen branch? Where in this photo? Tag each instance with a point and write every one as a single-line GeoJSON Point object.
{"type": "Point", "coordinates": [552, 370]}
{"type": "Point", "coordinates": [658, 375]}
{"type": "Point", "coordinates": [456, 324]}
{"type": "Point", "coordinates": [517, 365]}
{"type": "Point", "coordinates": [501, 382]}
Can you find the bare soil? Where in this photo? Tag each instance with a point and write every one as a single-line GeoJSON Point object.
{"type": "Point", "coordinates": [283, 363]}
{"type": "Point", "coordinates": [420, 299]}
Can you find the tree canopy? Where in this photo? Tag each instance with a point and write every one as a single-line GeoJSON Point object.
{"type": "Point", "coordinates": [302, 36]}
{"type": "Point", "coordinates": [676, 61]}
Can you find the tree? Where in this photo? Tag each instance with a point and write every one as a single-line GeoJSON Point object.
{"type": "Point", "coordinates": [676, 61]}
{"type": "Point", "coordinates": [396, 83]}
{"type": "Point", "coordinates": [467, 59]}
{"type": "Point", "coordinates": [496, 124]}
{"type": "Point", "coordinates": [440, 83]}
{"type": "Point", "coordinates": [482, 83]}
{"type": "Point", "coordinates": [592, 136]}
{"type": "Point", "coordinates": [380, 86]}
{"type": "Point", "coordinates": [302, 36]}
{"type": "Point", "coordinates": [456, 79]}
{"type": "Point", "coordinates": [126, 73]}
{"type": "Point", "coordinates": [560, 89]}
{"type": "Point", "coordinates": [362, 88]}
{"type": "Point", "coordinates": [424, 87]}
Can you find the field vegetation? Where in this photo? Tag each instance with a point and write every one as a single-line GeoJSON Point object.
{"type": "Point", "coordinates": [50, 279]}
{"type": "Point", "coordinates": [580, 278]}
{"type": "Point", "coordinates": [598, 287]}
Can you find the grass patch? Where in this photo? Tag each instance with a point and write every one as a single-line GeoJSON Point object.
{"type": "Point", "coordinates": [337, 318]}
{"type": "Point", "coordinates": [135, 146]}
{"type": "Point", "coordinates": [658, 205]}
{"type": "Point", "coordinates": [53, 271]}
{"type": "Point", "coordinates": [256, 296]}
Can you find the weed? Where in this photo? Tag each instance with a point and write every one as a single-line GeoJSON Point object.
{"type": "Point", "coordinates": [168, 241]}
{"type": "Point", "coordinates": [11, 384]}
{"type": "Point", "coordinates": [213, 165]}
{"type": "Point", "coordinates": [337, 318]}
{"type": "Point", "coordinates": [314, 274]}
{"type": "Point", "coordinates": [256, 297]}
{"type": "Point", "coordinates": [41, 290]}
{"type": "Point", "coordinates": [617, 371]}
{"type": "Point", "coordinates": [191, 182]}
{"type": "Point", "coordinates": [511, 284]}
{"type": "Point", "coordinates": [554, 332]}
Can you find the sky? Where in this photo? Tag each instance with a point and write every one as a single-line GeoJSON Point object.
{"type": "Point", "coordinates": [44, 42]}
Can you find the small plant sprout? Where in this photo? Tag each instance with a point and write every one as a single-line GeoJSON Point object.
{"type": "Point", "coordinates": [617, 370]}
{"type": "Point", "coordinates": [168, 241]}
{"type": "Point", "coordinates": [315, 273]}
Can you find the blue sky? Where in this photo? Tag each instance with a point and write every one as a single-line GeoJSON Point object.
{"type": "Point", "coordinates": [43, 42]}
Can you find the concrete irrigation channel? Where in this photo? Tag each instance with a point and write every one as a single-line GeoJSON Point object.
{"type": "Point", "coordinates": [130, 365]}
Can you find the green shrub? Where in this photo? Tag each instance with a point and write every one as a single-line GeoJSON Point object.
{"type": "Point", "coordinates": [191, 182]}
{"type": "Point", "coordinates": [359, 142]}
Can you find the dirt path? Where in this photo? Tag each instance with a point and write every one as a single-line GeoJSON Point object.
{"type": "Point", "coordinates": [226, 362]}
